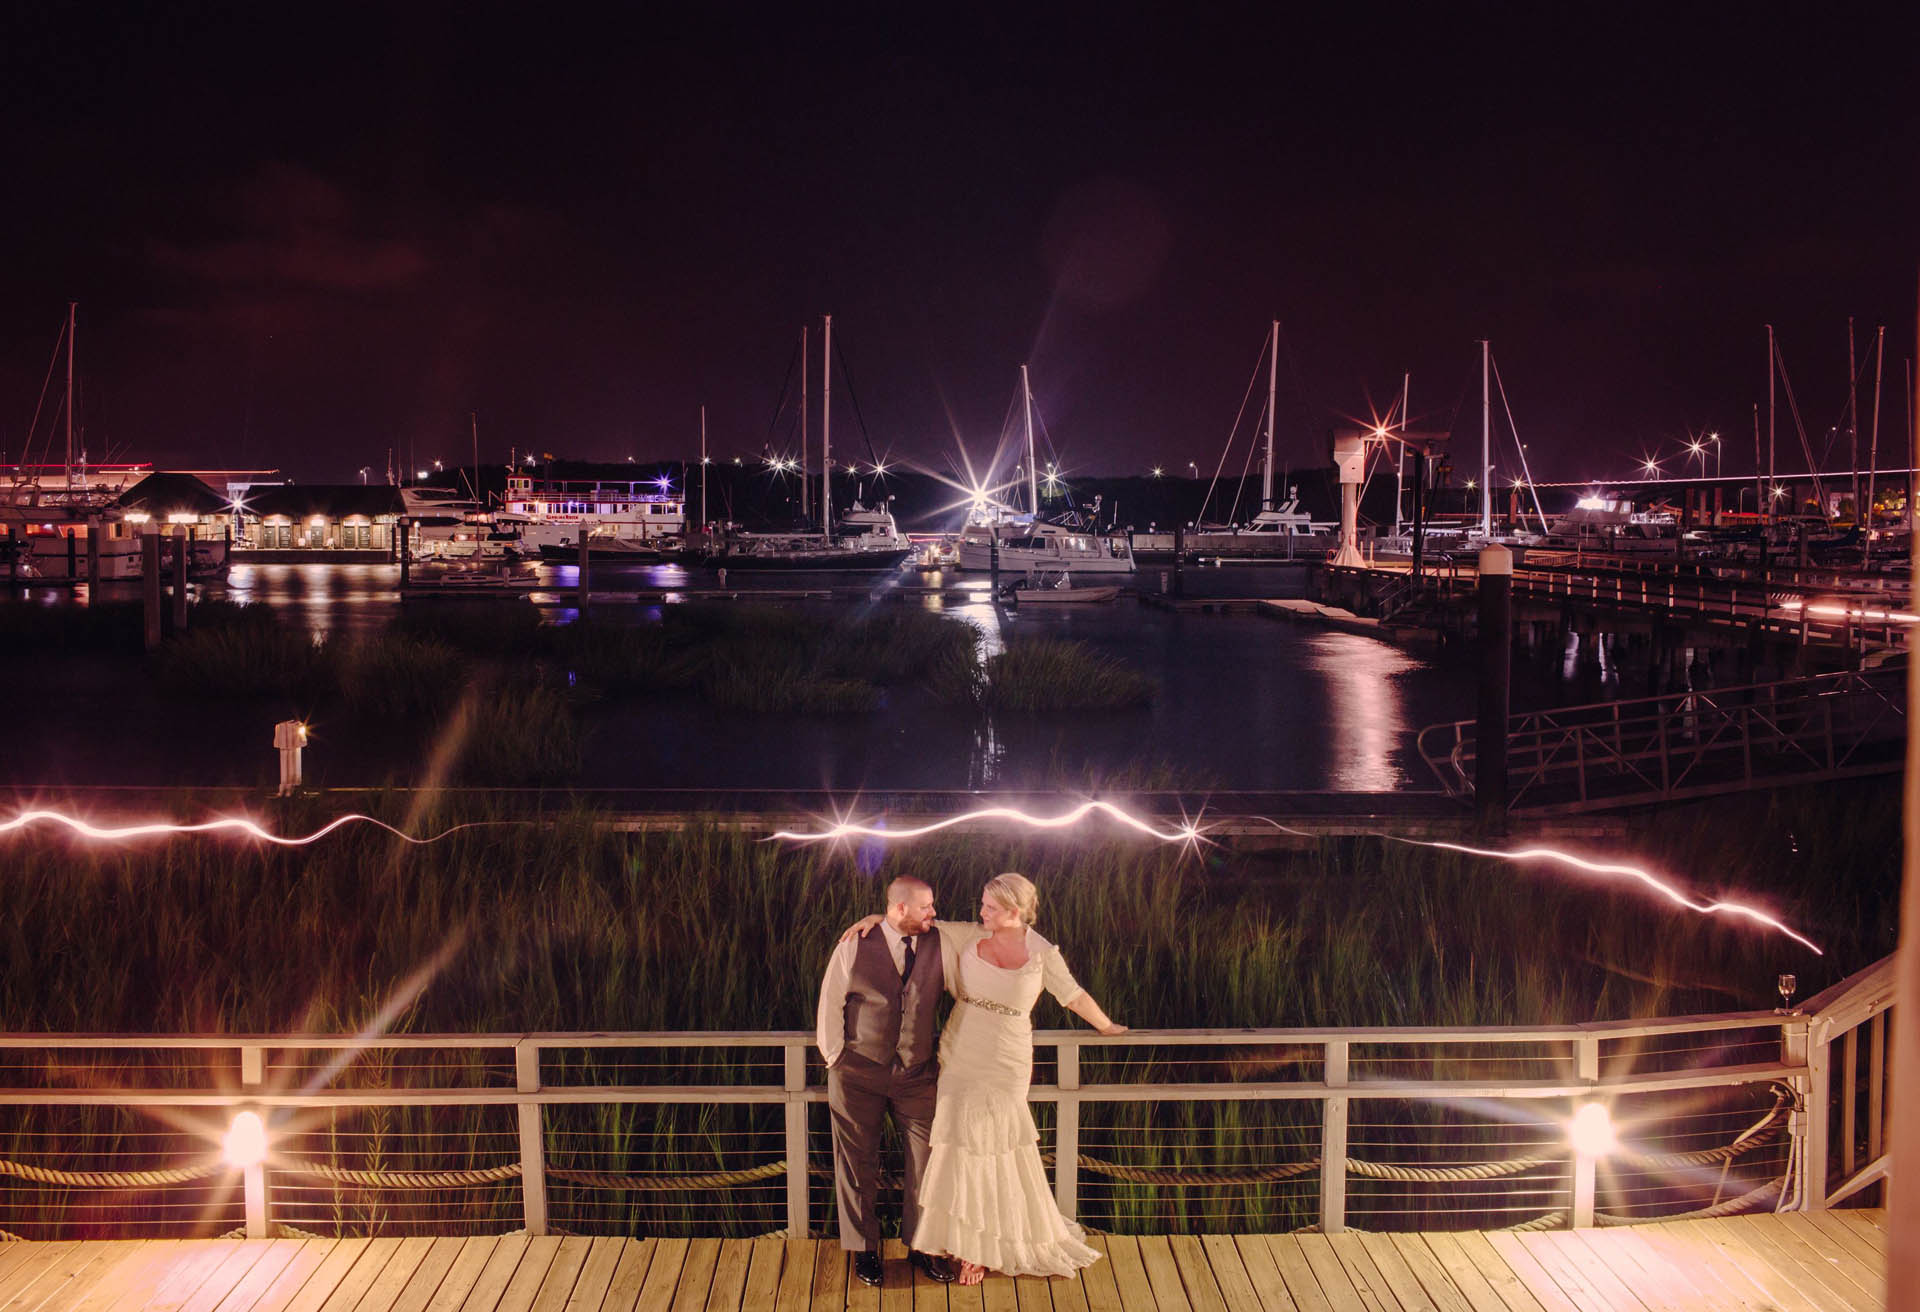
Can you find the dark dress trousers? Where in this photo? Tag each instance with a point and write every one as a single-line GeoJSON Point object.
{"type": "Point", "coordinates": [889, 1064]}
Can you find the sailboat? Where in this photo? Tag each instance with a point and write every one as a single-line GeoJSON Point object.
{"type": "Point", "coordinates": [867, 540]}
{"type": "Point", "coordinates": [1028, 542]}
{"type": "Point", "coordinates": [1276, 530]}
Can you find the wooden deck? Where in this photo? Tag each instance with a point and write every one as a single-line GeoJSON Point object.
{"type": "Point", "coordinates": [1799, 1262]}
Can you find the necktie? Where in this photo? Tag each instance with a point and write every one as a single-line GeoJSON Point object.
{"type": "Point", "coordinates": [906, 965]}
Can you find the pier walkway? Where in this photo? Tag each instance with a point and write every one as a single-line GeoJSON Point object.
{"type": "Point", "coordinates": [1819, 1262]}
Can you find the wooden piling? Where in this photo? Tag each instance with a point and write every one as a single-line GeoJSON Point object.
{"type": "Point", "coordinates": [1496, 675]}
{"type": "Point", "coordinates": [586, 573]}
{"type": "Point", "coordinates": [150, 586]}
{"type": "Point", "coordinates": [93, 555]}
{"type": "Point", "coordinates": [181, 553]}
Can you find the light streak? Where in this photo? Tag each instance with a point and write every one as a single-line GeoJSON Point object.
{"type": "Point", "coordinates": [1192, 834]}
{"type": "Point", "coordinates": [1605, 869]}
{"type": "Point", "coordinates": [1187, 832]}
{"type": "Point", "coordinates": [222, 824]}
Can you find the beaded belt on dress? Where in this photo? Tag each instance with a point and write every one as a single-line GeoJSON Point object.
{"type": "Point", "coordinates": [996, 1008]}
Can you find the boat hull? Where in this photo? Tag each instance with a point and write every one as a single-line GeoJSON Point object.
{"type": "Point", "coordinates": [603, 555]}
{"type": "Point", "coordinates": [818, 562]}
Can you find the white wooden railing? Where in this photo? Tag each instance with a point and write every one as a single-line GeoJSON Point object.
{"type": "Point", "coordinates": [1683, 1089]}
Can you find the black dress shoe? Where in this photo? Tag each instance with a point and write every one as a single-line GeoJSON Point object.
{"type": "Point", "coordinates": [867, 1268]}
{"type": "Point", "coordinates": [933, 1268]}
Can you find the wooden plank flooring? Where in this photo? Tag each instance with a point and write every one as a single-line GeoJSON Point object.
{"type": "Point", "coordinates": [1796, 1262]}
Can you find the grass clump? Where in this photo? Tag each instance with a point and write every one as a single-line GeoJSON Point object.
{"type": "Point", "coordinates": [619, 658]}
{"type": "Point", "coordinates": [250, 654]}
{"type": "Point", "coordinates": [523, 734]}
{"type": "Point", "coordinates": [479, 627]}
{"type": "Point", "coordinates": [392, 676]}
{"type": "Point", "coordinates": [1049, 674]}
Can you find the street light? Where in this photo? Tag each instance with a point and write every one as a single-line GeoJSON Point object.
{"type": "Point", "coordinates": [1719, 456]}
{"type": "Point", "coordinates": [1157, 471]}
{"type": "Point", "coordinates": [1193, 469]}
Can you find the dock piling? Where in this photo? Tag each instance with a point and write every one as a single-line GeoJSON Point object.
{"type": "Point", "coordinates": [150, 586]}
{"type": "Point", "coordinates": [1496, 670]}
{"type": "Point", "coordinates": [586, 567]}
{"type": "Point", "coordinates": [181, 552]}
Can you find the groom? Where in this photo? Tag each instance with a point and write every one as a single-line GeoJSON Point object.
{"type": "Point", "coordinates": [877, 1034]}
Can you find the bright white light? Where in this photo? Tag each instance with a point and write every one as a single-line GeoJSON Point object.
{"type": "Point", "coordinates": [1591, 1131]}
{"type": "Point", "coordinates": [1157, 471]}
{"type": "Point", "coordinates": [1590, 503]}
{"type": "Point", "coordinates": [246, 1141]}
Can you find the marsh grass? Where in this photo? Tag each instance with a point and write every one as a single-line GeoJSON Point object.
{"type": "Point", "coordinates": [394, 676]}
{"type": "Point", "coordinates": [1048, 674]}
{"type": "Point", "coordinates": [564, 925]}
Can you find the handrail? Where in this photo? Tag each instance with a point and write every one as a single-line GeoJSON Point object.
{"type": "Point", "coordinates": [1585, 1060]}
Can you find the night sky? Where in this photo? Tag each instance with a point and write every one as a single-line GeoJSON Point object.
{"type": "Point", "coordinates": [303, 235]}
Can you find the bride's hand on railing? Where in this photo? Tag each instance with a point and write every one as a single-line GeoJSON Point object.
{"type": "Point", "coordinates": [861, 927]}
{"type": "Point", "coordinates": [1112, 1027]}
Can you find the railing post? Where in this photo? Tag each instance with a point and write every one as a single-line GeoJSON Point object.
{"type": "Point", "coordinates": [1586, 1068]}
{"type": "Point", "coordinates": [1066, 1130]}
{"type": "Point", "coordinates": [1849, 1064]}
{"type": "Point", "coordinates": [1806, 1044]}
{"type": "Point", "coordinates": [253, 1179]}
{"type": "Point", "coordinates": [533, 1156]}
{"type": "Point", "coordinates": [1876, 1083]}
{"type": "Point", "coordinates": [1333, 1141]}
{"type": "Point", "coordinates": [795, 1055]}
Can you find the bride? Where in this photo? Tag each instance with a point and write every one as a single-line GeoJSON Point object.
{"type": "Point", "coordinates": [984, 1197]}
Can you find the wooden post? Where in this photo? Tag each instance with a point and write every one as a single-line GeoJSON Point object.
{"type": "Point", "coordinates": [93, 555]}
{"type": "Point", "coordinates": [1903, 1193]}
{"type": "Point", "coordinates": [586, 573]}
{"type": "Point", "coordinates": [1586, 1062]}
{"type": "Point", "coordinates": [796, 1087]}
{"type": "Point", "coordinates": [1419, 502]}
{"type": "Point", "coordinates": [1333, 1141]}
{"type": "Point", "coordinates": [182, 552]}
{"type": "Point", "coordinates": [253, 1179]}
{"type": "Point", "coordinates": [402, 532]}
{"type": "Point", "coordinates": [533, 1157]}
{"type": "Point", "coordinates": [1066, 1129]}
{"type": "Point", "coordinates": [150, 585]}
{"type": "Point", "coordinates": [1179, 560]}
{"type": "Point", "coordinates": [1496, 675]}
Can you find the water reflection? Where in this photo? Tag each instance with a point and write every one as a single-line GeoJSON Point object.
{"type": "Point", "coordinates": [1366, 719]}
{"type": "Point", "coordinates": [326, 598]}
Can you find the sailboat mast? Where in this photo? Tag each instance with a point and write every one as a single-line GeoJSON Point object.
{"type": "Point", "coordinates": [473, 419]}
{"type": "Point", "coordinates": [1865, 516]}
{"type": "Point", "coordinates": [1400, 459]}
{"type": "Point", "coordinates": [1033, 470]}
{"type": "Point", "coordinates": [72, 306]}
{"type": "Point", "coordinates": [1273, 387]}
{"type": "Point", "coordinates": [703, 468]}
{"type": "Point", "coordinates": [1853, 419]}
{"type": "Point", "coordinates": [1772, 469]}
{"type": "Point", "coordinates": [1486, 440]}
{"type": "Point", "coordinates": [805, 495]}
{"type": "Point", "coordinates": [826, 427]}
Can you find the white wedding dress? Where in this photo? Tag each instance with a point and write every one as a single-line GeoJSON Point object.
{"type": "Point", "coordinates": [984, 1196]}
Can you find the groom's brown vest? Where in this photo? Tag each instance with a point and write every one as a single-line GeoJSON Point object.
{"type": "Point", "coordinates": [885, 1016]}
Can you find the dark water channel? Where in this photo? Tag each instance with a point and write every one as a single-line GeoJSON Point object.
{"type": "Point", "coordinates": [1244, 702]}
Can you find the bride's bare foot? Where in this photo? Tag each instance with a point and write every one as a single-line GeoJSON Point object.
{"type": "Point", "coordinates": [972, 1273]}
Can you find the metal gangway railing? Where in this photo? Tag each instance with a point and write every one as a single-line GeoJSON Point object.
{"type": "Point", "coordinates": [1255, 1130]}
{"type": "Point", "coordinates": [1687, 744]}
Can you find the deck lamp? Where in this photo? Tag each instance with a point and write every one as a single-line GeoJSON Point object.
{"type": "Point", "coordinates": [245, 1144]}
{"type": "Point", "coordinates": [1590, 1132]}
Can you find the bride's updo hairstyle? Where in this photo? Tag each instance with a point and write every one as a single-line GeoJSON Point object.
{"type": "Point", "coordinates": [1017, 894]}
